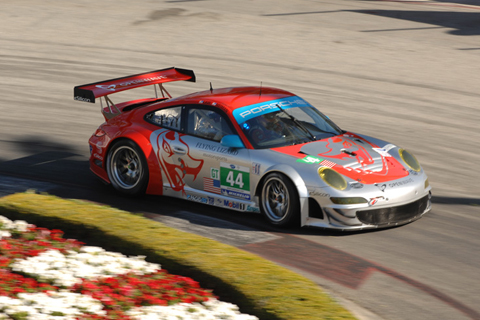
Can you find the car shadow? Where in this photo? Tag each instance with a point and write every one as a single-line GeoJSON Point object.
{"type": "Point", "coordinates": [67, 170]}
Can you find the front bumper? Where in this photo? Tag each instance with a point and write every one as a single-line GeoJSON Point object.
{"type": "Point", "coordinates": [395, 206]}
{"type": "Point", "coordinates": [396, 215]}
{"type": "Point", "coordinates": [372, 218]}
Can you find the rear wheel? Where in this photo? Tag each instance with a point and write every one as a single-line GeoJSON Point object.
{"type": "Point", "coordinates": [279, 200]}
{"type": "Point", "coordinates": [127, 168]}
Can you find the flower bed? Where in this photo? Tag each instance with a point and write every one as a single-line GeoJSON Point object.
{"type": "Point", "coordinates": [43, 276]}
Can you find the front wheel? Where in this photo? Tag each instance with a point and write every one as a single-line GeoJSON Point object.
{"type": "Point", "coordinates": [127, 168]}
{"type": "Point", "coordinates": [279, 201]}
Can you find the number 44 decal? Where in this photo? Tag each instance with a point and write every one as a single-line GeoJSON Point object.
{"type": "Point", "coordinates": [234, 177]}
{"type": "Point", "coordinates": [238, 181]}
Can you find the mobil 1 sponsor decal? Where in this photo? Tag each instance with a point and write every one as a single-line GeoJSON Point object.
{"type": "Point", "coordinates": [234, 205]}
{"type": "Point", "coordinates": [235, 181]}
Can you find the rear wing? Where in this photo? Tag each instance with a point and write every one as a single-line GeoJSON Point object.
{"type": "Point", "coordinates": [89, 92]}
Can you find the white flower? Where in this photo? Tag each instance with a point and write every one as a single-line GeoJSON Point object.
{"type": "Point", "coordinates": [210, 310]}
{"type": "Point", "coordinates": [18, 225]}
{"type": "Point", "coordinates": [6, 301]}
{"type": "Point", "coordinates": [43, 306]}
{"type": "Point", "coordinates": [21, 225]}
{"type": "Point", "coordinates": [4, 234]}
{"type": "Point", "coordinates": [5, 223]}
{"type": "Point", "coordinates": [92, 262]}
{"type": "Point", "coordinates": [91, 249]}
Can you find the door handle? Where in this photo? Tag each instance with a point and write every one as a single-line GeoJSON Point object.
{"type": "Point", "coordinates": [179, 150]}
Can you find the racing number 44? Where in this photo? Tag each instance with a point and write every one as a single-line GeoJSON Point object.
{"type": "Point", "coordinates": [235, 179]}
{"type": "Point", "coordinates": [235, 182]}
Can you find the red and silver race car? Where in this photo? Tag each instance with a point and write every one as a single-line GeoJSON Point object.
{"type": "Point", "coordinates": [252, 149]}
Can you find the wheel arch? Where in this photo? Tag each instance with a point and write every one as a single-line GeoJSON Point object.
{"type": "Point", "coordinates": [296, 179]}
{"type": "Point", "coordinates": [155, 185]}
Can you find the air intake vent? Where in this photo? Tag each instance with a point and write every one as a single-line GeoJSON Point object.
{"type": "Point", "coordinates": [314, 209]}
{"type": "Point", "coordinates": [394, 214]}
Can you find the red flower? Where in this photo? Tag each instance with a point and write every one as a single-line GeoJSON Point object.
{"type": "Point", "coordinates": [189, 299]}
{"type": "Point", "coordinates": [4, 262]}
{"type": "Point", "coordinates": [126, 290]}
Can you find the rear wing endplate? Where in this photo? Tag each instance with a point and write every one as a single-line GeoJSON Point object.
{"type": "Point", "coordinates": [89, 92]}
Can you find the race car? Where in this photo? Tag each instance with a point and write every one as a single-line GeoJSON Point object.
{"type": "Point", "coordinates": [256, 149]}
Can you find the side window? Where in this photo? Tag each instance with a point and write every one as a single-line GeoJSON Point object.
{"type": "Point", "coordinates": [168, 118]}
{"type": "Point", "coordinates": [207, 124]}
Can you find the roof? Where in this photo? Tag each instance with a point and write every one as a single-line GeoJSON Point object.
{"type": "Point", "coordinates": [233, 98]}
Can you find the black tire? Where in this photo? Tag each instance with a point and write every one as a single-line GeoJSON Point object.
{"type": "Point", "coordinates": [279, 201]}
{"type": "Point", "coordinates": [127, 168]}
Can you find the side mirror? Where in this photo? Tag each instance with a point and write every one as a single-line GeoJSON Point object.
{"type": "Point", "coordinates": [232, 141]}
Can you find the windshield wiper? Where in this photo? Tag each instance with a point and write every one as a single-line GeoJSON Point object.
{"type": "Point", "coordinates": [299, 124]}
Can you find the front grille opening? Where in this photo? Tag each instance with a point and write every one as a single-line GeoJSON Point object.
{"type": "Point", "coordinates": [314, 209]}
{"type": "Point", "coordinates": [393, 215]}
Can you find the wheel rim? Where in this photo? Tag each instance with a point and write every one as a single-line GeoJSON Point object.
{"type": "Point", "coordinates": [276, 200]}
{"type": "Point", "coordinates": [126, 167]}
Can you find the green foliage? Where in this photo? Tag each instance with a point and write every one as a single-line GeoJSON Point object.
{"type": "Point", "coordinates": [259, 287]}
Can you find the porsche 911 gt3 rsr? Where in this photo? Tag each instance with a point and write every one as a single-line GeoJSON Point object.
{"type": "Point", "coordinates": [252, 149]}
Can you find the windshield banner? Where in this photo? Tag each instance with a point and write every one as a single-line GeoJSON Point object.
{"type": "Point", "coordinates": [254, 110]}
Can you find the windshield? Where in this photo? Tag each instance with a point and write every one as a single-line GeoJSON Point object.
{"type": "Point", "coordinates": [278, 127]}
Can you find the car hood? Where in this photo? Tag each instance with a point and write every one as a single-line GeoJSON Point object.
{"type": "Point", "coordinates": [353, 156]}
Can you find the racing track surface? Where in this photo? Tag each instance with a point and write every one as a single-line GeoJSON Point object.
{"type": "Point", "coordinates": [404, 71]}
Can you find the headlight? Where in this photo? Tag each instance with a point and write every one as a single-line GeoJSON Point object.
{"type": "Point", "coordinates": [332, 178]}
{"type": "Point", "coordinates": [352, 200]}
{"type": "Point", "coordinates": [409, 160]}
{"type": "Point", "coordinates": [427, 184]}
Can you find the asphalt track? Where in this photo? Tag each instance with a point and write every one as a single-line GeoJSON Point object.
{"type": "Point", "coordinates": [407, 71]}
